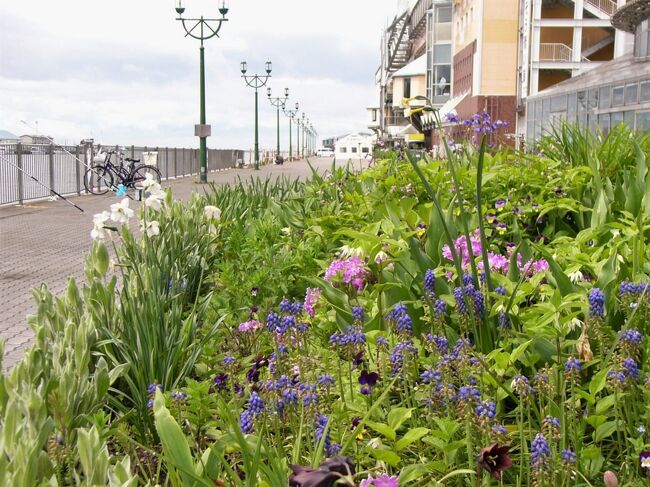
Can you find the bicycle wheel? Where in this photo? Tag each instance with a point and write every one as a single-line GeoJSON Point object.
{"type": "Point", "coordinates": [98, 180]}
{"type": "Point", "coordinates": [139, 174]}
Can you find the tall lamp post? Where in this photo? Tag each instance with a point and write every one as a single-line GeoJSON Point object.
{"type": "Point", "coordinates": [278, 102]}
{"type": "Point", "coordinates": [291, 114]}
{"type": "Point", "coordinates": [202, 29]}
{"type": "Point", "coordinates": [256, 82]}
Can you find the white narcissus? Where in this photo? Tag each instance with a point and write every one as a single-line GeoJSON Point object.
{"type": "Point", "coordinates": [212, 212]}
{"type": "Point", "coordinates": [154, 200]}
{"type": "Point", "coordinates": [99, 220]}
{"type": "Point", "coordinates": [120, 212]}
{"type": "Point", "coordinates": [151, 228]}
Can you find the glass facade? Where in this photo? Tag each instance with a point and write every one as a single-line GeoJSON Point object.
{"type": "Point", "coordinates": [599, 108]}
{"type": "Point", "coordinates": [439, 52]}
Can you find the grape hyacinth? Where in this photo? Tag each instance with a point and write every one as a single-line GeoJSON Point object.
{"type": "Point", "coordinates": [596, 303]}
{"type": "Point", "coordinates": [401, 318]}
{"type": "Point", "coordinates": [358, 314]}
{"type": "Point", "coordinates": [398, 354]}
{"type": "Point", "coordinates": [539, 452]}
{"type": "Point", "coordinates": [430, 283]}
{"type": "Point", "coordinates": [569, 456]}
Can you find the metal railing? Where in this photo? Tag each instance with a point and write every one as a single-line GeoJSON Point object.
{"type": "Point", "coordinates": [606, 6]}
{"type": "Point", "coordinates": [62, 168]}
{"type": "Point", "coordinates": [555, 51]}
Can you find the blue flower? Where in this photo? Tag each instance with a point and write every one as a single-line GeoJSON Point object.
{"type": "Point", "coordinates": [539, 451]}
{"type": "Point", "coordinates": [246, 421]}
{"type": "Point", "coordinates": [430, 283]}
{"type": "Point", "coordinates": [596, 303]}
{"type": "Point", "coordinates": [358, 314]}
{"type": "Point", "coordinates": [569, 456]}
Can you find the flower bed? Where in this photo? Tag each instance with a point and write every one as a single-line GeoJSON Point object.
{"type": "Point", "coordinates": [463, 322]}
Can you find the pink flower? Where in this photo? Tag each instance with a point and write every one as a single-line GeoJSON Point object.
{"type": "Point", "coordinates": [311, 298]}
{"type": "Point", "coordinates": [349, 271]}
{"type": "Point", "coordinates": [382, 480]}
{"type": "Point", "coordinates": [462, 250]}
{"type": "Point", "coordinates": [250, 326]}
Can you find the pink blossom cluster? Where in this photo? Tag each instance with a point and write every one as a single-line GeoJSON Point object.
{"type": "Point", "coordinates": [311, 298]}
{"type": "Point", "coordinates": [497, 262]}
{"type": "Point", "coordinates": [250, 326]}
{"type": "Point", "coordinates": [382, 480]}
{"type": "Point", "coordinates": [351, 271]}
{"type": "Point", "coordinates": [462, 251]}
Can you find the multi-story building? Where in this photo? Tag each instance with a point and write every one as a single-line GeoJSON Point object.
{"type": "Point", "coordinates": [485, 40]}
{"type": "Point", "coordinates": [614, 92]}
{"type": "Point", "coordinates": [561, 39]}
{"type": "Point", "coordinates": [415, 61]}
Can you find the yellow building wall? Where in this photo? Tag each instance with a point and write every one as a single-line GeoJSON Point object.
{"type": "Point", "coordinates": [465, 23]}
{"type": "Point", "coordinates": [418, 87]}
{"type": "Point", "coordinates": [499, 47]}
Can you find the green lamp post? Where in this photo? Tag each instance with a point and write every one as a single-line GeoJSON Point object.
{"type": "Point", "coordinates": [291, 114]}
{"type": "Point", "coordinates": [202, 29]}
{"type": "Point", "coordinates": [255, 81]}
{"type": "Point", "coordinates": [278, 102]}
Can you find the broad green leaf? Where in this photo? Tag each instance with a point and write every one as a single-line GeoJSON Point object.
{"type": "Point", "coordinates": [411, 436]}
{"type": "Point", "coordinates": [605, 430]}
{"type": "Point", "coordinates": [382, 429]}
{"type": "Point", "coordinates": [397, 416]}
{"type": "Point", "coordinates": [388, 456]}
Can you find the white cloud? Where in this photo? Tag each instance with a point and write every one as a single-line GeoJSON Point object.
{"type": "Point", "coordinates": [122, 71]}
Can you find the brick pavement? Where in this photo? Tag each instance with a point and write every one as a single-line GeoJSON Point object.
{"type": "Point", "coordinates": [45, 242]}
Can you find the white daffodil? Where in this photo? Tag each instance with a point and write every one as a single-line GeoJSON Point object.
{"type": "Point", "coordinates": [154, 200]}
{"type": "Point", "coordinates": [151, 228]}
{"type": "Point", "coordinates": [212, 212]}
{"type": "Point", "coordinates": [149, 184]}
{"type": "Point", "coordinates": [99, 220]}
{"type": "Point", "coordinates": [120, 212]}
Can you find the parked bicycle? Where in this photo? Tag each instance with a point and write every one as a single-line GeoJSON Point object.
{"type": "Point", "coordinates": [106, 175]}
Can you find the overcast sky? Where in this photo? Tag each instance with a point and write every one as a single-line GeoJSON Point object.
{"type": "Point", "coordinates": [122, 71]}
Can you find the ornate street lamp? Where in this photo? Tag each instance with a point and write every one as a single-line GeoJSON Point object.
{"type": "Point", "coordinates": [255, 81]}
{"type": "Point", "coordinates": [202, 29]}
{"type": "Point", "coordinates": [278, 102]}
{"type": "Point", "coordinates": [291, 114]}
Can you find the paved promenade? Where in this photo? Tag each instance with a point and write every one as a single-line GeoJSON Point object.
{"type": "Point", "coordinates": [46, 242]}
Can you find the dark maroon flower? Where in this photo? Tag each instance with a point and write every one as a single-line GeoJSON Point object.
{"type": "Point", "coordinates": [358, 359]}
{"type": "Point", "coordinates": [325, 475]}
{"type": "Point", "coordinates": [494, 459]}
{"type": "Point", "coordinates": [220, 381]}
{"type": "Point", "coordinates": [356, 421]}
{"type": "Point", "coordinates": [368, 380]}
{"type": "Point", "coordinates": [254, 291]}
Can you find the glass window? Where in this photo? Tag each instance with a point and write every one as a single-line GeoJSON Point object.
{"type": "Point", "coordinates": [558, 103]}
{"type": "Point", "coordinates": [530, 110]}
{"type": "Point", "coordinates": [582, 101]}
{"type": "Point", "coordinates": [354, 150]}
{"type": "Point", "coordinates": [592, 99]}
{"type": "Point", "coordinates": [444, 14]}
{"type": "Point", "coordinates": [644, 92]}
{"type": "Point", "coordinates": [343, 150]}
{"type": "Point", "coordinates": [603, 123]}
{"type": "Point", "coordinates": [642, 39]}
{"type": "Point", "coordinates": [631, 92]}
{"type": "Point", "coordinates": [604, 97]}
{"type": "Point", "coordinates": [407, 87]}
{"type": "Point", "coordinates": [572, 101]}
{"type": "Point", "coordinates": [442, 53]}
{"type": "Point", "coordinates": [642, 121]}
{"type": "Point", "coordinates": [546, 109]}
{"type": "Point", "coordinates": [628, 118]}
{"type": "Point", "coordinates": [617, 117]}
{"type": "Point", "coordinates": [364, 150]}
{"type": "Point", "coordinates": [374, 115]}
{"type": "Point", "coordinates": [618, 96]}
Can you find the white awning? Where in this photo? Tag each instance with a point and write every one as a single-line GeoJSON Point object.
{"type": "Point", "coordinates": [417, 67]}
{"type": "Point", "coordinates": [428, 117]}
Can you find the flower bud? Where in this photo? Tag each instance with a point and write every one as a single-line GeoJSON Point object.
{"type": "Point", "coordinates": [610, 479]}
